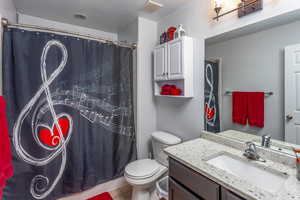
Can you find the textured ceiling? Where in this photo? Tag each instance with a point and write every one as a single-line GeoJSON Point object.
{"type": "Point", "coordinates": [106, 15]}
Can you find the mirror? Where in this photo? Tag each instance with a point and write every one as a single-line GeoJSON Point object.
{"type": "Point", "coordinates": [252, 84]}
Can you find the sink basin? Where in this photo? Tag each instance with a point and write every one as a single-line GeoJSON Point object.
{"type": "Point", "coordinates": [266, 180]}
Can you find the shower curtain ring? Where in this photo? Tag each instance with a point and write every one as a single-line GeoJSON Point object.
{"type": "Point", "coordinates": [4, 22]}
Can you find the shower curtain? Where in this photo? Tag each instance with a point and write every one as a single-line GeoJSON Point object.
{"type": "Point", "coordinates": [70, 112]}
{"type": "Point", "coordinates": [211, 97]}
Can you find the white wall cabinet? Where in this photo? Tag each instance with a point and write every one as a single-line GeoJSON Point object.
{"type": "Point", "coordinates": [175, 58]}
{"type": "Point", "coordinates": [160, 62]}
{"type": "Point", "coordinates": [173, 64]}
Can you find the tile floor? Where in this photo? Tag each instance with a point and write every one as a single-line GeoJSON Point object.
{"type": "Point", "coordinates": [123, 193]}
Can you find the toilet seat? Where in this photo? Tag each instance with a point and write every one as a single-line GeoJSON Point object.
{"type": "Point", "coordinates": [142, 169]}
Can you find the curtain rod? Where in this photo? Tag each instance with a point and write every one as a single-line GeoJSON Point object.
{"type": "Point", "coordinates": [5, 23]}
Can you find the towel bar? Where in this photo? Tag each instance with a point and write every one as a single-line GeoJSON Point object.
{"type": "Point", "coordinates": [266, 93]}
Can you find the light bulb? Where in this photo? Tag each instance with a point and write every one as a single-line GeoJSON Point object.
{"type": "Point", "coordinates": [219, 3]}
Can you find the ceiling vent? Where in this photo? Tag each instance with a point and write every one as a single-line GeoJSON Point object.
{"type": "Point", "coordinates": [152, 6]}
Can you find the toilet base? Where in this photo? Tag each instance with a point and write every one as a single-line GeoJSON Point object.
{"type": "Point", "coordinates": [154, 196]}
{"type": "Point", "coordinates": [141, 193]}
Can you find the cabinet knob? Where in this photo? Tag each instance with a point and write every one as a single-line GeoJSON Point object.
{"type": "Point", "coordinates": [289, 117]}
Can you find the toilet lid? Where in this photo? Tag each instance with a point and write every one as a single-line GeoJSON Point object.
{"type": "Point", "coordinates": [144, 168]}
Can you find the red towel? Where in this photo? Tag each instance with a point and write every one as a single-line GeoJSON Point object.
{"type": "Point", "coordinates": [6, 170]}
{"type": "Point", "coordinates": [103, 196]}
{"type": "Point", "coordinates": [239, 107]}
{"type": "Point", "coordinates": [256, 109]}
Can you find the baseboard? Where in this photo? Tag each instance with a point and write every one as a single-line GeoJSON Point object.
{"type": "Point", "coordinates": [98, 189]}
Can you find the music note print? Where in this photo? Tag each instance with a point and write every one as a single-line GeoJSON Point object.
{"type": "Point", "coordinates": [52, 138]}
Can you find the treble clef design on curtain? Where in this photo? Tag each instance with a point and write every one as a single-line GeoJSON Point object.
{"type": "Point", "coordinates": [210, 106]}
{"type": "Point", "coordinates": [53, 139]}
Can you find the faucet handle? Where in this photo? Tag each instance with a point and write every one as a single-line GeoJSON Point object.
{"type": "Point", "coordinates": [251, 146]}
{"type": "Point", "coordinates": [251, 152]}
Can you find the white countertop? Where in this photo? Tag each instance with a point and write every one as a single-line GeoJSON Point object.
{"type": "Point", "coordinates": [194, 154]}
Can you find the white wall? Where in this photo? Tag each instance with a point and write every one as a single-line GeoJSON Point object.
{"type": "Point", "coordinates": [27, 19]}
{"type": "Point", "coordinates": [129, 33]}
{"type": "Point", "coordinates": [146, 110]}
{"type": "Point", "coordinates": [185, 118]}
{"type": "Point", "coordinates": [255, 62]}
{"type": "Point", "coordinates": [193, 16]}
{"type": "Point", "coordinates": [8, 10]}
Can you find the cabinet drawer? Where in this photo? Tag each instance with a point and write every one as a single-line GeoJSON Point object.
{"type": "Point", "coordinates": [177, 192]}
{"type": "Point", "coordinates": [227, 195]}
{"type": "Point", "coordinates": [197, 183]}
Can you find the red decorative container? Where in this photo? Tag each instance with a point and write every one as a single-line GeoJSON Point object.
{"type": "Point", "coordinates": [170, 33]}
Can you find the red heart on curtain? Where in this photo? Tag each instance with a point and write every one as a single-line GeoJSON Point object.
{"type": "Point", "coordinates": [210, 112]}
{"type": "Point", "coordinates": [50, 136]}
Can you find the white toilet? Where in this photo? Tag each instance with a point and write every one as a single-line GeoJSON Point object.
{"type": "Point", "coordinates": [143, 174]}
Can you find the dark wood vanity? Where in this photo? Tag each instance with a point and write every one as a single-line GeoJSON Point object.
{"type": "Point", "coordinates": [187, 184]}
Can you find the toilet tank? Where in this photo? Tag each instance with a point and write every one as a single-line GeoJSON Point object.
{"type": "Point", "coordinates": [161, 140]}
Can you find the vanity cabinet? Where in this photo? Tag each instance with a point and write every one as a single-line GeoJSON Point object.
{"type": "Point", "coordinates": [187, 184]}
{"type": "Point", "coordinates": [228, 195]}
{"type": "Point", "coordinates": [178, 192]}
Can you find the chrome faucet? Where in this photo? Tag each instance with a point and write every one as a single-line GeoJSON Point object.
{"type": "Point", "coordinates": [251, 152]}
{"type": "Point", "coordinates": [266, 141]}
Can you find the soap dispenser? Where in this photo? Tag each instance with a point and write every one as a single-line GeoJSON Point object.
{"type": "Point", "coordinates": [180, 32]}
{"type": "Point", "coordinates": [297, 151]}
{"type": "Point", "coordinates": [298, 169]}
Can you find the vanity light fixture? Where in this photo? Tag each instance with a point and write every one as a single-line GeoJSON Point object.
{"type": "Point", "coordinates": [244, 8]}
{"type": "Point", "coordinates": [218, 7]}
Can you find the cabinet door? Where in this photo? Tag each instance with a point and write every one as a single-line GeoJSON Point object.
{"type": "Point", "coordinates": [177, 192]}
{"type": "Point", "coordinates": [175, 59]}
{"type": "Point", "coordinates": [160, 62]}
{"type": "Point", "coordinates": [227, 195]}
{"type": "Point", "coordinates": [197, 183]}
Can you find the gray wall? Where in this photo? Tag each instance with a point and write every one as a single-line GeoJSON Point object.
{"type": "Point", "coordinates": [184, 117]}
{"type": "Point", "coordinates": [146, 110]}
{"type": "Point", "coordinates": [256, 63]}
